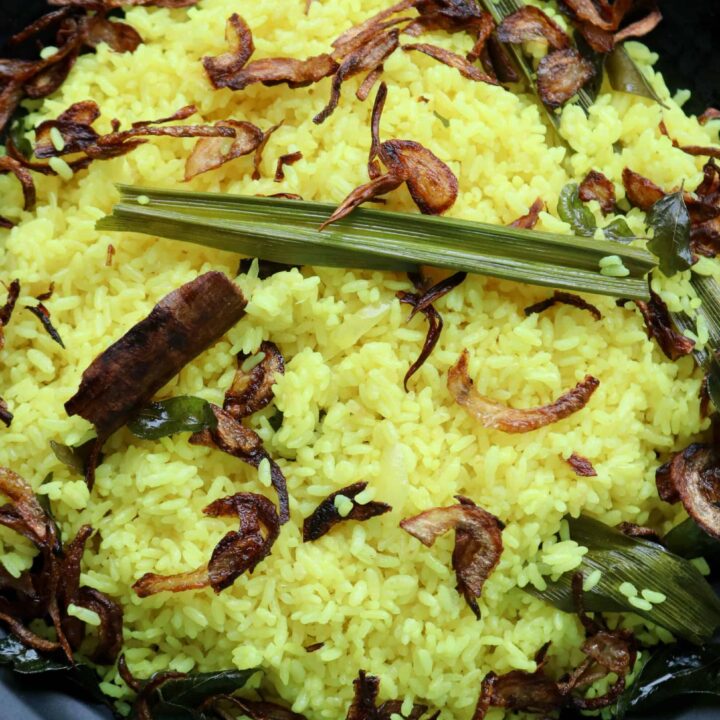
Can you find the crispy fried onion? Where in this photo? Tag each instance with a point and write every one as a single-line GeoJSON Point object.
{"type": "Point", "coordinates": [46, 590]}
{"type": "Point", "coordinates": [364, 703]}
{"type": "Point", "coordinates": [597, 186]}
{"type": "Point", "coordinates": [77, 136]}
{"type": "Point", "coordinates": [75, 29]}
{"type": "Point", "coordinates": [453, 60]}
{"type": "Point", "coordinates": [431, 183]}
{"type": "Point", "coordinates": [123, 378]}
{"type": "Point", "coordinates": [252, 391]}
{"type": "Point", "coordinates": [237, 552]}
{"type": "Point", "coordinates": [640, 191]}
{"type": "Point", "coordinates": [710, 150]}
{"type": "Point", "coordinates": [692, 477]}
{"type": "Point", "coordinates": [561, 74]}
{"type": "Point", "coordinates": [708, 115]}
{"type": "Point", "coordinates": [326, 515]}
{"type": "Point", "coordinates": [6, 311]}
{"type": "Point", "coordinates": [529, 221]}
{"type": "Point", "coordinates": [43, 315]}
{"type": "Point", "coordinates": [563, 298]}
{"type": "Point", "coordinates": [231, 69]}
{"type": "Point", "coordinates": [605, 652]}
{"type": "Point", "coordinates": [211, 153]}
{"type": "Point", "coordinates": [6, 417]}
{"type": "Point", "coordinates": [604, 25]}
{"type": "Point", "coordinates": [659, 326]}
{"type": "Point", "coordinates": [10, 165]}
{"type": "Point", "coordinates": [287, 159]}
{"type": "Point", "coordinates": [581, 466]}
{"type": "Point", "coordinates": [531, 23]}
{"type": "Point", "coordinates": [639, 531]}
{"type": "Point", "coordinates": [245, 444]}
{"type": "Point", "coordinates": [478, 542]}
{"type": "Point", "coordinates": [422, 302]}
{"type": "Point", "coordinates": [493, 414]}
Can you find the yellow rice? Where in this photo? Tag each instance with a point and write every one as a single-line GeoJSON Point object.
{"type": "Point", "coordinates": [375, 597]}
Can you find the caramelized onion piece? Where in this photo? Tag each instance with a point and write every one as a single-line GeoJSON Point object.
{"type": "Point", "coordinates": [252, 709]}
{"type": "Point", "coordinates": [211, 153]}
{"type": "Point", "coordinates": [437, 291]}
{"type": "Point", "coordinates": [529, 221]}
{"type": "Point", "coordinates": [366, 58]}
{"type": "Point", "coordinates": [581, 466]}
{"type": "Point", "coordinates": [561, 74]}
{"type": "Point", "coordinates": [478, 542]}
{"type": "Point", "coordinates": [435, 326]}
{"type": "Point", "coordinates": [252, 391]}
{"type": "Point", "coordinates": [119, 36]}
{"type": "Point", "coordinates": [639, 531]}
{"type": "Point", "coordinates": [708, 115]}
{"type": "Point", "coordinates": [659, 326]}
{"type": "Point", "coordinates": [243, 443]}
{"type": "Point", "coordinates": [364, 704]}
{"type": "Point", "coordinates": [6, 417]}
{"type": "Point", "coordinates": [184, 323]}
{"type": "Point", "coordinates": [74, 125]}
{"type": "Point", "coordinates": [6, 311]}
{"type": "Point", "coordinates": [288, 159]}
{"type": "Point", "coordinates": [564, 298]}
{"type": "Point", "coordinates": [221, 69]}
{"type": "Point", "coordinates": [326, 515]}
{"type": "Point", "coordinates": [8, 164]}
{"type": "Point", "coordinates": [640, 27]}
{"type": "Point", "coordinates": [640, 191]}
{"type": "Point", "coordinates": [237, 552]}
{"type": "Point", "coordinates": [693, 478]}
{"type": "Point", "coordinates": [257, 159]}
{"type": "Point", "coordinates": [24, 514]}
{"type": "Point", "coordinates": [597, 186]}
{"type": "Point", "coordinates": [453, 60]}
{"type": "Point", "coordinates": [493, 414]}
{"type": "Point", "coordinates": [43, 315]}
{"type": "Point", "coordinates": [531, 23]}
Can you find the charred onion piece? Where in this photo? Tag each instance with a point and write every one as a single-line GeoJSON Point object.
{"type": "Point", "coordinates": [243, 443]}
{"type": "Point", "coordinates": [659, 326]}
{"type": "Point", "coordinates": [124, 377]}
{"type": "Point", "coordinates": [10, 165]}
{"type": "Point", "coordinates": [6, 417]}
{"type": "Point", "coordinates": [561, 74]}
{"type": "Point", "coordinates": [529, 221]}
{"type": "Point", "coordinates": [564, 298]}
{"type": "Point", "coordinates": [221, 69]}
{"type": "Point", "coordinates": [531, 23]}
{"type": "Point", "coordinates": [435, 326]}
{"type": "Point", "coordinates": [236, 553]}
{"type": "Point", "coordinates": [597, 186]}
{"type": "Point", "coordinates": [6, 311]}
{"type": "Point", "coordinates": [437, 291]}
{"type": "Point", "coordinates": [710, 151]}
{"type": "Point", "coordinates": [478, 542]}
{"type": "Point", "coordinates": [638, 531]}
{"type": "Point", "coordinates": [581, 466]}
{"type": "Point", "coordinates": [252, 391]}
{"type": "Point", "coordinates": [252, 709]}
{"type": "Point", "coordinates": [364, 703]}
{"type": "Point", "coordinates": [493, 414]}
{"type": "Point", "coordinates": [288, 159]}
{"type": "Point", "coordinates": [326, 515]}
{"type": "Point", "coordinates": [453, 60]}
{"type": "Point", "coordinates": [693, 478]}
{"type": "Point", "coordinates": [43, 315]}
{"type": "Point", "coordinates": [640, 191]}
{"type": "Point", "coordinates": [708, 115]}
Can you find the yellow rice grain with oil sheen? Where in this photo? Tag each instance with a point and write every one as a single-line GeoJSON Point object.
{"type": "Point", "coordinates": [374, 596]}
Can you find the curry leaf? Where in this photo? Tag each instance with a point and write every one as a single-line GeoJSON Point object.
{"type": "Point", "coordinates": [184, 413]}
{"type": "Point", "coordinates": [670, 220]}
{"type": "Point", "coordinates": [691, 609]}
{"type": "Point", "coordinates": [671, 672]}
{"type": "Point", "coordinates": [573, 211]}
{"type": "Point", "coordinates": [619, 231]}
{"type": "Point", "coordinates": [689, 540]}
{"type": "Point", "coordinates": [625, 76]}
{"type": "Point", "coordinates": [26, 661]}
{"type": "Point", "coordinates": [74, 457]}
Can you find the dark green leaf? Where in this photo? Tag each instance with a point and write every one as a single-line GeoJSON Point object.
{"type": "Point", "coordinates": [74, 457]}
{"type": "Point", "coordinates": [690, 541]}
{"type": "Point", "coordinates": [26, 661]}
{"type": "Point", "coordinates": [671, 672]}
{"type": "Point", "coordinates": [625, 76]}
{"type": "Point", "coordinates": [619, 231]}
{"type": "Point", "coordinates": [670, 220]}
{"type": "Point", "coordinates": [691, 610]}
{"type": "Point", "coordinates": [276, 419]}
{"type": "Point", "coordinates": [174, 415]}
{"type": "Point", "coordinates": [180, 699]}
{"type": "Point", "coordinates": [573, 211]}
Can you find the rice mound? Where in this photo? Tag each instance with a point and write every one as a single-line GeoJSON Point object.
{"type": "Point", "coordinates": [374, 596]}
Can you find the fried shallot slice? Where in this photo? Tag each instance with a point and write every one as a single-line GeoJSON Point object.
{"type": "Point", "coordinates": [252, 391]}
{"type": "Point", "coordinates": [529, 221]}
{"type": "Point", "coordinates": [10, 165]}
{"type": "Point", "coordinates": [123, 379]}
{"type": "Point", "coordinates": [709, 151]}
{"type": "Point", "coordinates": [237, 552]}
{"type": "Point", "coordinates": [564, 298]}
{"type": "Point", "coordinates": [453, 60]}
{"type": "Point", "coordinates": [220, 69]}
{"type": "Point", "coordinates": [493, 414]}
{"type": "Point", "coordinates": [531, 23]}
{"type": "Point", "coordinates": [326, 515]}
{"type": "Point", "coordinates": [478, 542]}
{"type": "Point", "coordinates": [245, 444]}
{"type": "Point", "coordinates": [692, 477]}
{"type": "Point", "coordinates": [597, 186]}
{"type": "Point", "coordinates": [561, 74]}
{"type": "Point", "coordinates": [287, 159]}
{"type": "Point", "coordinates": [581, 466]}
{"type": "Point", "coordinates": [6, 311]}
{"type": "Point", "coordinates": [640, 191]}
{"type": "Point", "coordinates": [364, 703]}
{"type": "Point", "coordinates": [709, 114]}
{"type": "Point", "coordinates": [659, 326]}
